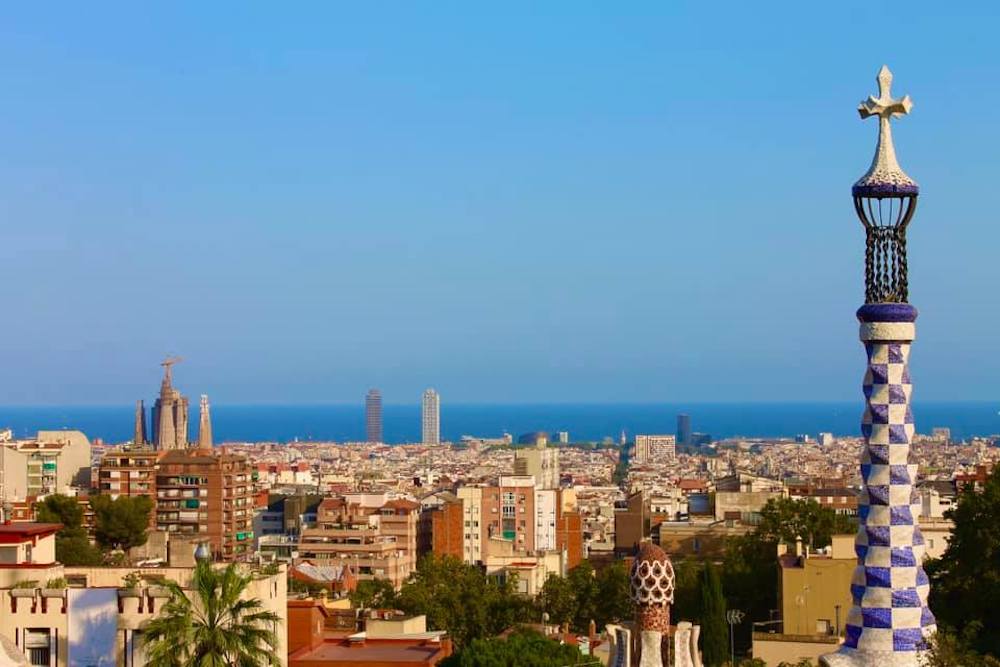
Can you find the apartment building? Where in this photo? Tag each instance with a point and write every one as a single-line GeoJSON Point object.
{"type": "Point", "coordinates": [375, 534]}
{"type": "Point", "coordinates": [207, 495]}
{"type": "Point", "coordinates": [52, 462]}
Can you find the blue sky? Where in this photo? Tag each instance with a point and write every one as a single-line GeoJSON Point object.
{"type": "Point", "coordinates": [517, 202]}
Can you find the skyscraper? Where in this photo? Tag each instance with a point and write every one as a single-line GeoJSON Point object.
{"type": "Point", "coordinates": [683, 429]}
{"type": "Point", "coordinates": [170, 412]}
{"type": "Point", "coordinates": [431, 418]}
{"type": "Point", "coordinates": [373, 416]}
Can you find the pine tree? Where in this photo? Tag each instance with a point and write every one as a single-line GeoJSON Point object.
{"type": "Point", "coordinates": [714, 636]}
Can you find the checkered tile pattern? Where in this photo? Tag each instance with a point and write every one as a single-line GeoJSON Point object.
{"type": "Point", "coordinates": [890, 586]}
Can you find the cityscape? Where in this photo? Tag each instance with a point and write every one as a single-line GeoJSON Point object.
{"type": "Point", "coordinates": [506, 483]}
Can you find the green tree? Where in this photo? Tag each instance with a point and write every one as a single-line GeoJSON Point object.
{"type": "Point", "coordinates": [714, 632]}
{"type": "Point", "coordinates": [750, 579]}
{"type": "Point", "coordinates": [58, 508]}
{"type": "Point", "coordinates": [614, 595]}
{"type": "Point", "coordinates": [73, 547]}
{"type": "Point", "coordinates": [461, 599]}
{"type": "Point", "coordinates": [687, 589]}
{"type": "Point", "coordinates": [947, 649]}
{"type": "Point", "coordinates": [121, 523]}
{"type": "Point", "coordinates": [523, 648]}
{"type": "Point", "coordinates": [557, 599]}
{"type": "Point", "coordinates": [965, 581]}
{"type": "Point", "coordinates": [212, 625]}
{"type": "Point", "coordinates": [588, 603]}
{"type": "Point", "coordinates": [784, 520]}
{"type": "Point", "coordinates": [374, 594]}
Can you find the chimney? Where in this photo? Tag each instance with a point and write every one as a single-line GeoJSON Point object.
{"type": "Point", "coordinates": [798, 546]}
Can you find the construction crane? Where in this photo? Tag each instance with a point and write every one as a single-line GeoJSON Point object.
{"type": "Point", "coordinates": [167, 365]}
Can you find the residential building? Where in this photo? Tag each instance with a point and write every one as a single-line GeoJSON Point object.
{"type": "Point", "coordinates": [440, 528]}
{"type": "Point", "coordinates": [540, 462]}
{"type": "Point", "coordinates": [376, 534]}
{"type": "Point", "coordinates": [373, 416]}
{"type": "Point", "coordinates": [207, 495]}
{"type": "Point", "coordinates": [129, 470]}
{"type": "Point", "coordinates": [658, 448]}
{"type": "Point", "coordinates": [431, 418]}
{"type": "Point", "coordinates": [52, 462]}
{"type": "Point", "coordinates": [61, 616]}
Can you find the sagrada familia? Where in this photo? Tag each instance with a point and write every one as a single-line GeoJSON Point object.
{"type": "Point", "coordinates": [170, 417]}
{"type": "Point", "coordinates": [889, 623]}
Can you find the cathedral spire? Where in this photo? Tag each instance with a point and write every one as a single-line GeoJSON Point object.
{"type": "Point", "coordinates": [205, 425]}
{"type": "Point", "coordinates": [140, 437]}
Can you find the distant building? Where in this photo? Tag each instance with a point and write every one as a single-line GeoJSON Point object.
{"type": "Point", "coordinates": [562, 437]}
{"type": "Point", "coordinates": [539, 462]}
{"type": "Point", "coordinates": [535, 438]}
{"type": "Point", "coordinates": [654, 448]}
{"type": "Point", "coordinates": [128, 471]}
{"type": "Point", "coordinates": [440, 529]}
{"type": "Point", "coordinates": [52, 462]}
{"type": "Point", "coordinates": [373, 416]}
{"type": "Point", "coordinates": [826, 439]}
{"type": "Point", "coordinates": [684, 430]}
{"type": "Point", "coordinates": [941, 434]}
{"type": "Point", "coordinates": [431, 418]}
{"type": "Point", "coordinates": [170, 412]}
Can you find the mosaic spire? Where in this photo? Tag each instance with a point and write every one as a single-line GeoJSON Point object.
{"type": "Point", "coordinates": [889, 621]}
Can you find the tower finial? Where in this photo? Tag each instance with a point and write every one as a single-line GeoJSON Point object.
{"type": "Point", "coordinates": [885, 176]}
{"type": "Point", "coordinates": [204, 425]}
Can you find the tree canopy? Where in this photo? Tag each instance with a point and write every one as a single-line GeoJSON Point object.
{"type": "Point", "coordinates": [73, 547]}
{"type": "Point", "coordinates": [785, 519]}
{"type": "Point", "coordinates": [374, 594]}
{"type": "Point", "coordinates": [121, 523]}
{"type": "Point", "coordinates": [524, 648]}
{"type": "Point", "coordinates": [461, 599]}
{"type": "Point", "coordinates": [583, 596]}
{"type": "Point", "coordinates": [965, 581]}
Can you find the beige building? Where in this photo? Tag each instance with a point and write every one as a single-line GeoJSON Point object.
{"type": "Point", "coordinates": [52, 462]}
{"type": "Point", "coordinates": [540, 462]}
{"type": "Point", "coordinates": [373, 534]}
{"type": "Point", "coordinates": [61, 616]}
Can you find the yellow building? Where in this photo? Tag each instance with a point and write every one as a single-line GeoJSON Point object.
{"type": "Point", "coordinates": [814, 597]}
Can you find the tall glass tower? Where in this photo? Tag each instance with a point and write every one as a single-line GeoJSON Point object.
{"type": "Point", "coordinates": [373, 416]}
{"type": "Point", "coordinates": [430, 418]}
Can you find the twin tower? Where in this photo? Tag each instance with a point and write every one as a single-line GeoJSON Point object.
{"type": "Point", "coordinates": [170, 417]}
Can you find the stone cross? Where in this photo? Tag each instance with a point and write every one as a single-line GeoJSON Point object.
{"type": "Point", "coordinates": [884, 105]}
{"type": "Point", "coordinates": [885, 169]}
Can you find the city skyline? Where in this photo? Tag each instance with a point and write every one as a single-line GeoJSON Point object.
{"type": "Point", "coordinates": [336, 168]}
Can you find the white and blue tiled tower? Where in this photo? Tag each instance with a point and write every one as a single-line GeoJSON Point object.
{"type": "Point", "coordinates": [889, 621]}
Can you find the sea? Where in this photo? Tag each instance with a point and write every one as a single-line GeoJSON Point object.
{"type": "Point", "coordinates": [583, 422]}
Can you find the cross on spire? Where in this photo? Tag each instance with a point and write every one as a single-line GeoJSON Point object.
{"type": "Point", "coordinates": [884, 105]}
{"type": "Point", "coordinates": [885, 177]}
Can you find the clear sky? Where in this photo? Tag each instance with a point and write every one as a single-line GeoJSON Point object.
{"type": "Point", "coordinates": [516, 202]}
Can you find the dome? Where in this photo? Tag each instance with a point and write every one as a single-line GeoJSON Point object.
{"type": "Point", "coordinates": [652, 577]}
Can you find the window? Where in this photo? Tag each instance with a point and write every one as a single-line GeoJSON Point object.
{"type": "Point", "coordinates": [36, 641]}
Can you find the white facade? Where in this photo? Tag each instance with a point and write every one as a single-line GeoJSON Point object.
{"type": "Point", "coordinates": [545, 519]}
{"type": "Point", "coordinates": [655, 448]}
{"type": "Point", "coordinates": [431, 418]}
{"type": "Point", "coordinates": [472, 517]}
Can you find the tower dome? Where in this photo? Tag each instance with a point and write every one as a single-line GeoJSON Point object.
{"type": "Point", "coordinates": [652, 587]}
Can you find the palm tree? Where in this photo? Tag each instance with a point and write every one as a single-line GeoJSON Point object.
{"type": "Point", "coordinates": [212, 625]}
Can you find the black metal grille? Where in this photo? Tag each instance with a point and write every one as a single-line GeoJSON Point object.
{"type": "Point", "coordinates": [885, 220]}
